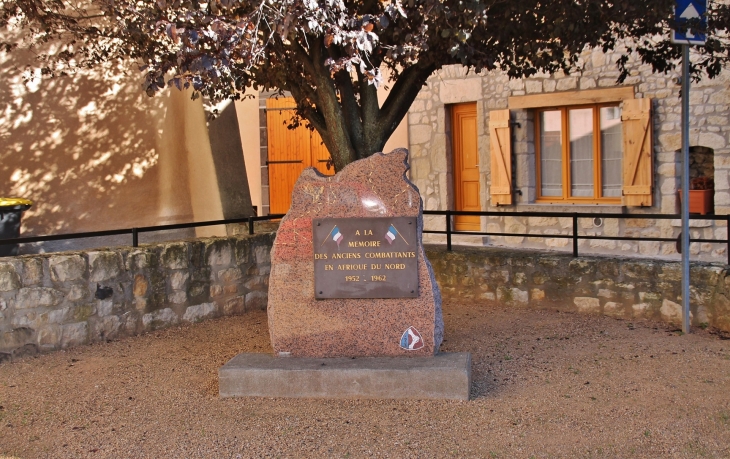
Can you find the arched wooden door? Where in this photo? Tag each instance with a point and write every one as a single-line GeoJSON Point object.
{"type": "Point", "coordinates": [466, 165]}
{"type": "Point", "coordinates": [290, 151]}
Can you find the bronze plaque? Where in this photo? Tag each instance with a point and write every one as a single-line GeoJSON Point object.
{"type": "Point", "coordinates": [365, 257]}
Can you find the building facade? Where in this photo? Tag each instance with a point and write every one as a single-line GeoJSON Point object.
{"type": "Point", "coordinates": [95, 153]}
{"type": "Point", "coordinates": [571, 143]}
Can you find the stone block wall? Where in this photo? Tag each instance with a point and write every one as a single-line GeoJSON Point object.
{"type": "Point", "coordinates": [59, 300]}
{"type": "Point", "coordinates": [624, 288]}
{"type": "Point", "coordinates": [431, 155]}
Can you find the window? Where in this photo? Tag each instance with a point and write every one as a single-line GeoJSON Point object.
{"type": "Point", "coordinates": [579, 153]}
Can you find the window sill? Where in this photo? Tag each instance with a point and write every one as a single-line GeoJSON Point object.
{"type": "Point", "coordinates": [579, 202]}
{"type": "Point", "coordinates": [569, 207]}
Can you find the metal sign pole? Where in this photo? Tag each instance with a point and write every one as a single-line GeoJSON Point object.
{"type": "Point", "coordinates": [687, 12]}
{"type": "Point", "coordinates": [685, 189]}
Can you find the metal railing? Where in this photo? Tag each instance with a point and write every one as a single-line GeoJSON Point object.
{"type": "Point", "coordinates": [134, 232]}
{"type": "Point", "coordinates": [575, 236]}
{"type": "Point", "coordinates": [449, 231]}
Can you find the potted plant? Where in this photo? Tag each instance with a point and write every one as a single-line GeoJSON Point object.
{"type": "Point", "coordinates": [701, 194]}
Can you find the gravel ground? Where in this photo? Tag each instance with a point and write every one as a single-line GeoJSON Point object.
{"type": "Point", "coordinates": [546, 384]}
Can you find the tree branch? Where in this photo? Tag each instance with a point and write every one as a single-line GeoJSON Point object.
{"type": "Point", "coordinates": [303, 56]}
{"type": "Point", "coordinates": [336, 137]}
{"type": "Point", "coordinates": [311, 114]}
{"type": "Point", "coordinates": [349, 103]}
{"type": "Point", "coordinates": [370, 109]}
{"type": "Point", "coordinates": [401, 96]}
{"type": "Point", "coordinates": [350, 109]}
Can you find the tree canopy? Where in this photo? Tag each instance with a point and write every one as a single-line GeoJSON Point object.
{"type": "Point", "coordinates": [332, 54]}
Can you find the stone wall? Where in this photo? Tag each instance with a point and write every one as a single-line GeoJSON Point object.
{"type": "Point", "coordinates": [624, 288]}
{"type": "Point", "coordinates": [55, 301]}
{"type": "Point", "coordinates": [64, 299]}
{"type": "Point", "coordinates": [431, 156]}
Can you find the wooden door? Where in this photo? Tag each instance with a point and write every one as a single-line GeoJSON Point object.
{"type": "Point", "coordinates": [466, 165]}
{"type": "Point", "coordinates": [290, 152]}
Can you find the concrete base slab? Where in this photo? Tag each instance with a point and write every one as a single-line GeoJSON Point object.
{"type": "Point", "coordinates": [444, 376]}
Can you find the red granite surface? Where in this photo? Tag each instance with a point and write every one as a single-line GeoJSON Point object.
{"type": "Point", "coordinates": [304, 327]}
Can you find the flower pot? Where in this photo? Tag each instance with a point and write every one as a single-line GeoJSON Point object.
{"type": "Point", "coordinates": [700, 201]}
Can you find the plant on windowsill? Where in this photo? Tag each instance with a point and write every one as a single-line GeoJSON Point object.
{"type": "Point", "coordinates": [701, 195]}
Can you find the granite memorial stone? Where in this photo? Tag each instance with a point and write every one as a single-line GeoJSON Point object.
{"type": "Point", "coordinates": [349, 277]}
{"type": "Point", "coordinates": [354, 310]}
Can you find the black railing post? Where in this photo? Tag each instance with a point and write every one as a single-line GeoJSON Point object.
{"type": "Point", "coordinates": [448, 230]}
{"type": "Point", "coordinates": [250, 225]}
{"type": "Point", "coordinates": [575, 234]}
{"type": "Point", "coordinates": [135, 237]}
{"type": "Point", "coordinates": [728, 238]}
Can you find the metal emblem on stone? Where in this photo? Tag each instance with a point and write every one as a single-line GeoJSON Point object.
{"type": "Point", "coordinates": [411, 340]}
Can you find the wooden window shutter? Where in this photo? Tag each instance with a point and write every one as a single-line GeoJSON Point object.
{"type": "Point", "coordinates": [500, 152]}
{"type": "Point", "coordinates": [638, 177]}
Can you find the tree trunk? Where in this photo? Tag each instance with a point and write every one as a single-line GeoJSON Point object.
{"type": "Point", "coordinates": [346, 113]}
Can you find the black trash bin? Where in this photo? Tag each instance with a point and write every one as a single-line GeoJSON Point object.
{"type": "Point", "coordinates": [11, 210]}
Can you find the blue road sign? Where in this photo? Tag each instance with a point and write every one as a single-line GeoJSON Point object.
{"type": "Point", "coordinates": [684, 11]}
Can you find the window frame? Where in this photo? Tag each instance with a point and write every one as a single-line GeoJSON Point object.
{"type": "Point", "coordinates": [565, 151]}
